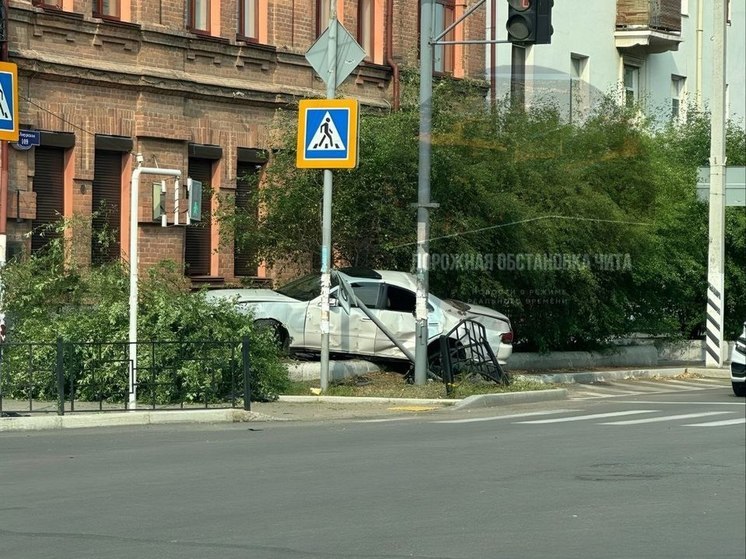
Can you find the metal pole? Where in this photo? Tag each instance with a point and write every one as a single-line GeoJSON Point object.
{"type": "Point", "coordinates": [716, 255]}
{"type": "Point", "coordinates": [246, 369]}
{"type": "Point", "coordinates": [518, 78]}
{"type": "Point", "coordinates": [4, 158]}
{"type": "Point", "coordinates": [423, 191]}
{"type": "Point", "coordinates": [134, 201]}
{"type": "Point", "coordinates": [326, 213]}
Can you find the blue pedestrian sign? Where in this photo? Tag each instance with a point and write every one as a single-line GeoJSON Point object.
{"type": "Point", "coordinates": [8, 102]}
{"type": "Point", "coordinates": [327, 134]}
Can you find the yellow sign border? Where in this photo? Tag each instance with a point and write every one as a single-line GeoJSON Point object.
{"type": "Point", "coordinates": [11, 135]}
{"type": "Point", "coordinates": [351, 161]}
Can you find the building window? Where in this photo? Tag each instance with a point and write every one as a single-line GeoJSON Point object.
{"type": "Point", "coordinates": [678, 84]}
{"type": "Point", "coordinates": [366, 27]}
{"type": "Point", "coordinates": [322, 16]}
{"type": "Point", "coordinates": [244, 256]}
{"type": "Point", "coordinates": [106, 9]}
{"type": "Point", "coordinates": [248, 19]}
{"type": "Point", "coordinates": [631, 85]}
{"type": "Point", "coordinates": [199, 16]}
{"type": "Point", "coordinates": [48, 3]}
{"type": "Point", "coordinates": [107, 207]}
{"type": "Point", "coordinates": [49, 186]}
{"type": "Point", "coordinates": [443, 55]}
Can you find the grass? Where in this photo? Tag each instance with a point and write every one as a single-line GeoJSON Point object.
{"type": "Point", "coordinates": [393, 385]}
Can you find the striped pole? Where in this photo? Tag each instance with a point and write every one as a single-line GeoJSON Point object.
{"type": "Point", "coordinates": [716, 251]}
{"type": "Point", "coordinates": [715, 318]}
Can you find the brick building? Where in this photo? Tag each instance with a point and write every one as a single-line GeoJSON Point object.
{"type": "Point", "coordinates": [191, 85]}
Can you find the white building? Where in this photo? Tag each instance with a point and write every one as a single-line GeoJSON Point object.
{"type": "Point", "coordinates": [657, 52]}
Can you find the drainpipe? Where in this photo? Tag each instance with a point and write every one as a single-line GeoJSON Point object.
{"type": "Point", "coordinates": [699, 47]}
{"type": "Point", "coordinates": [390, 51]}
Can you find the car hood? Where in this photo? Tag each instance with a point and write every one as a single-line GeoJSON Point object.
{"type": "Point", "coordinates": [468, 310]}
{"type": "Point", "coordinates": [250, 296]}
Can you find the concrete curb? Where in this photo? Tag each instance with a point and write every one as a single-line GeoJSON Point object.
{"type": "Point", "coordinates": [116, 419]}
{"type": "Point", "coordinates": [590, 377]}
{"type": "Point", "coordinates": [508, 398]}
{"type": "Point", "coordinates": [366, 400]}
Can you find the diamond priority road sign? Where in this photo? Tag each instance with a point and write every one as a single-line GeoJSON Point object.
{"type": "Point", "coordinates": [349, 54]}
{"type": "Point", "coordinates": [327, 134]}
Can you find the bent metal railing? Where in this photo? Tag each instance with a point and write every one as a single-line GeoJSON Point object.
{"type": "Point", "coordinates": [465, 351]}
{"type": "Point", "coordinates": [66, 377]}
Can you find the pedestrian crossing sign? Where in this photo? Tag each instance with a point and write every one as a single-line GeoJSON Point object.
{"type": "Point", "coordinates": [8, 102]}
{"type": "Point", "coordinates": [327, 134]}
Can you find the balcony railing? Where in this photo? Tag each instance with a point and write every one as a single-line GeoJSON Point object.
{"type": "Point", "coordinates": [659, 15]}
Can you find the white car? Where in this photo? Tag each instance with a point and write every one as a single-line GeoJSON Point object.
{"type": "Point", "coordinates": [738, 365]}
{"type": "Point", "coordinates": [294, 314]}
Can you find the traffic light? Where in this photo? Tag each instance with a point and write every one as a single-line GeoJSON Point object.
{"type": "Point", "coordinates": [530, 21]}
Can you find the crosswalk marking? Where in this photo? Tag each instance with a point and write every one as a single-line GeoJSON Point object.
{"type": "Point", "coordinates": [739, 421]}
{"type": "Point", "coordinates": [685, 384]}
{"type": "Point", "coordinates": [665, 418]}
{"type": "Point", "coordinates": [493, 418]}
{"type": "Point", "coordinates": [587, 417]}
{"type": "Point", "coordinates": [612, 390]}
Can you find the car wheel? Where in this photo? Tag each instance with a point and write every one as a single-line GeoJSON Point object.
{"type": "Point", "coordinates": [739, 389]}
{"type": "Point", "coordinates": [277, 332]}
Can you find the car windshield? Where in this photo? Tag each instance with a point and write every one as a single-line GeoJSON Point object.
{"type": "Point", "coordinates": [304, 288]}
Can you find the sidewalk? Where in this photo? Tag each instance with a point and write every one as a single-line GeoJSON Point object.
{"type": "Point", "coordinates": [331, 408]}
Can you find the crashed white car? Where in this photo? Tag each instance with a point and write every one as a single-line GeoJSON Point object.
{"type": "Point", "coordinates": [294, 314]}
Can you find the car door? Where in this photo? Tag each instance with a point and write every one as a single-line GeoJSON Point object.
{"type": "Point", "coordinates": [398, 315]}
{"type": "Point", "coordinates": [352, 333]}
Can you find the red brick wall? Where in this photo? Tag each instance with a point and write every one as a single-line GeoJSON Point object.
{"type": "Point", "coordinates": [166, 88]}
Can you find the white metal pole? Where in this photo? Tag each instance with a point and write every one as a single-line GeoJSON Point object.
{"type": "Point", "coordinates": [326, 217]}
{"type": "Point", "coordinates": [714, 355]}
{"type": "Point", "coordinates": [423, 192]}
{"type": "Point", "coordinates": [134, 200]}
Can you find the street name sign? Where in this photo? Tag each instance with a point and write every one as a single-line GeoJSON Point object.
{"type": "Point", "coordinates": [327, 134]}
{"type": "Point", "coordinates": [8, 102]}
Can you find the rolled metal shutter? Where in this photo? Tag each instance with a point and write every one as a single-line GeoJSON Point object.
{"type": "Point", "coordinates": [49, 186]}
{"type": "Point", "coordinates": [199, 236]}
{"type": "Point", "coordinates": [243, 260]}
{"type": "Point", "coordinates": [107, 207]}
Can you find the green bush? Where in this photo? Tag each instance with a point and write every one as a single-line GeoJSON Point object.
{"type": "Point", "coordinates": [46, 299]}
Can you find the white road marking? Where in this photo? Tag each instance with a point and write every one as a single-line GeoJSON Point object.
{"type": "Point", "coordinates": [496, 417]}
{"type": "Point", "coordinates": [384, 420]}
{"type": "Point", "coordinates": [682, 403]}
{"type": "Point", "coordinates": [739, 421]}
{"type": "Point", "coordinates": [586, 417]}
{"type": "Point", "coordinates": [665, 418]}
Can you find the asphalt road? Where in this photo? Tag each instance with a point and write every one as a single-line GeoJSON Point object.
{"type": "Point", "coordinates": [646, 476]}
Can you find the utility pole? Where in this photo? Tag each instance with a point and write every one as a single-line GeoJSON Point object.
{"type": "Point", "coordinates": [4, 171]}
{"type": "Point", "coordinates": [326, 212]}
{"type": "Point", "coordinates": [716, 251]}
{"type": "Point", "coordinates": [423, 191]}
